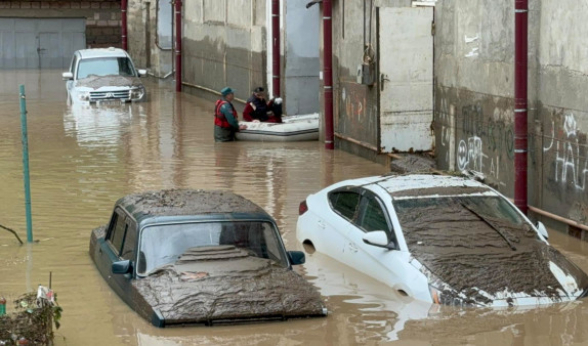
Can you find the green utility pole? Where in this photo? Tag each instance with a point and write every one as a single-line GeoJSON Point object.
{"type": "Point", "coordinates": [25, 162]}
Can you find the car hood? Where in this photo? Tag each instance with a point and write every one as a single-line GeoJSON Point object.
{"type": "Point", "coordinates": [477, 265]}
{"type": "Point", "coordinates": [112, 82]}
{"type": "Point", "coordinates": [214, 284]}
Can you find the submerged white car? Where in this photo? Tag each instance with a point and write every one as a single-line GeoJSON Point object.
{"type": "Point", "coordinates": [102, 74]}
{"type": "Point", "coordinates": [441, 239]}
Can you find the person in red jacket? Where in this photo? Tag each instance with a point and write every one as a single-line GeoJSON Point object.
{"type": "Point", "coordinates": [226, 122]}
{"type": "Point", "coordinates": [258, 109]}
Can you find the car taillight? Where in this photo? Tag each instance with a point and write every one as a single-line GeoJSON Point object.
{"type": "Point", "coordinates": [303, 208]}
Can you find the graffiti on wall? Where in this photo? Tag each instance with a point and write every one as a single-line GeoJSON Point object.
{"type": "Point", "coordinates": [483, 137]}
{"type": "Point", "coordinates": [571, 153]}
{"type": "Point", "coordinates": [476, 132]}
{"type": "Point", "coordinates": [487, 140]}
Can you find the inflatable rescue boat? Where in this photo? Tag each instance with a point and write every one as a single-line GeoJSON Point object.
{"type": "Point", "coordinates": [293, 128]}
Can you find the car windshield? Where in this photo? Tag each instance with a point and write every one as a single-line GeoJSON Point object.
{"type": "Point", "coordinates": [164, 244]}
{"type": "Point", "coordinates": [462, 221]}
{"type": "Point", "coordinates": [120, 66]}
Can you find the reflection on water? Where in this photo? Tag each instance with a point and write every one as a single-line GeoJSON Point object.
{"type": "Point", "coordinates": [83, 158]}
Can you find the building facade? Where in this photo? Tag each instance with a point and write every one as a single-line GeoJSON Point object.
{"type": "Point", "coordinates": [472, 119]}
{"type": "Point", "coordinates": [410, 76]}
{"type": "Point", "coordinates": [474, 103]}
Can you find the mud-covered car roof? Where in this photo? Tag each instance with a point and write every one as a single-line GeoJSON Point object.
{"type": "Point", "coordinates": [187, 202]}
{"type": "Point", "coordinates": [405, 184]}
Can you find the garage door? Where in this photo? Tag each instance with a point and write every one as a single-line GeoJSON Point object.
{"type": "Point", "coordinates": [40, 43]}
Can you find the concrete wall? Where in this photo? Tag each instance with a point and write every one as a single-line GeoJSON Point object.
{"type": "Point", "coordinates": [474, 69]}
{"type": "Point", "coordinates": [224, 44]}
{"type": "Point", "coordinates": [562, 107]}
{"type": "Point", "coordinates": [102, 16]}
{"type": "Point", "coordinates": [474, 55]}
{"type": "Point", "coordinates": [143, 39]}
{"type": "Point", "coordinates": [302, 64]}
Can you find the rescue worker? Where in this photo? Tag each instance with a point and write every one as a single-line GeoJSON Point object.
{"type": "Point", "coordinates": [258, 109]}
{"type": "Point", "coordinates": [225, 118]}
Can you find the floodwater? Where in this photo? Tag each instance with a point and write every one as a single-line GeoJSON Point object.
{"type": "Point", "coordinates": [84, 158]}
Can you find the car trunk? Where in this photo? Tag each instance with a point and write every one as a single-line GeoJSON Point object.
{"type": "Point", "coordinates": [480, 260]}
{"type": "Point", "coordinates": [227, 284]}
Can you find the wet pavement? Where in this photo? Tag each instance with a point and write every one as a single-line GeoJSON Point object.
{"type": "Point", "coordinates": [84, 158]}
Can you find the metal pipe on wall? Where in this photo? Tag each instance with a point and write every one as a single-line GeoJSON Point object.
{"type": "Point", "coordinates": [276, 52]}
{"type": "Point", "coordinates": [178, 44]}
{"type": "Point", "coordinates": [521, 103]}
{"type": "Point", "coordinates": [328, 72]}
{"type": "Point", "coordinates": [123, 8]}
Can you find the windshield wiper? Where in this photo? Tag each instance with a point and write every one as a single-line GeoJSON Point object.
{"type": "Point", "coordinates": [512, 247]}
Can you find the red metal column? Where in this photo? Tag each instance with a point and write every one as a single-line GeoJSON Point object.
{"type": "Point", "coordinates": [123, 8]}
{"type": "Point", "coordinates": [178, 13]}
{"type": "Point", "coordinates": [521, 130]}
{"type": "Point", "coordinates": [276, 53]}
{"type": "Point", "coordinates": [328, 72]}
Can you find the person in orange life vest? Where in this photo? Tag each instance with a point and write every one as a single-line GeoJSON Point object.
{"type": "Point", "coordinates": [258, 109]}
{"type": "Point", "coordinates": [226, 118]}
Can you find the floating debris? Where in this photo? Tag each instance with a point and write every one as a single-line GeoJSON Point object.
{"type": "Point", "coordinates": [31, 322]}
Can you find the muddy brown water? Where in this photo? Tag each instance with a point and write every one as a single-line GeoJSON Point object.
{"type": "Point", "coordinates": [84, 158]}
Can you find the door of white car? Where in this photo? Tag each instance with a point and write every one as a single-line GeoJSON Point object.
{"type": "Point", "coordinates": [382, 264]}
{"type": "Point", "coordinates": [344, 205]}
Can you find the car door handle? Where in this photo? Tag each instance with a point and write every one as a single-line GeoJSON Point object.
{"type": "Point", "coordinates": [352, 247]}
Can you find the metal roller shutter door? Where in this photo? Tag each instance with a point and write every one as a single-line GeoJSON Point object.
{"type": "Point", "coordinates": [27, 43]}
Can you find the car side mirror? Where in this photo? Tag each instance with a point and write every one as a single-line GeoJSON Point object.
{"type": "Point", "coordinates": [142, 72]}
{"type": "Point", "coordinates": [67, 76]}
{"type": "Point", "coordinates": [122, 267]}
{"type": "Point", "coordinates": [296, 257]}
{"type": "Point", "coordinates": [379, 239]}
{"type": "Point", "coordinates": [542, 230]}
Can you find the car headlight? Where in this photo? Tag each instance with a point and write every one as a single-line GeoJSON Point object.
{"type": "Point", "coordinates": [138, 93]}
{"type": "Point", "coordinates": [84, 96]}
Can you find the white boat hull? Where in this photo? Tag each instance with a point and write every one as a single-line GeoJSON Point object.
{"type": "Point", "coordinates": [293, 129]}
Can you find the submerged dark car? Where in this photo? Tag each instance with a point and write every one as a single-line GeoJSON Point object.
{"type": "Point", "coordinates": [192, 256]}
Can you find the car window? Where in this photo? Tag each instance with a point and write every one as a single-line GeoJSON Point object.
{"type": "Point", "coordinates": [105, 67]}
{"type": "Point", "coordinates": [117, 231]}
{"type": "Point", "coordinates": [130, 241]}
{"type": "Point", "coordinates": [271, 242]}
{"type": "Point", "coordinates": [374, 217]}
{"type": "Point", "coordinates": [345, 203]}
